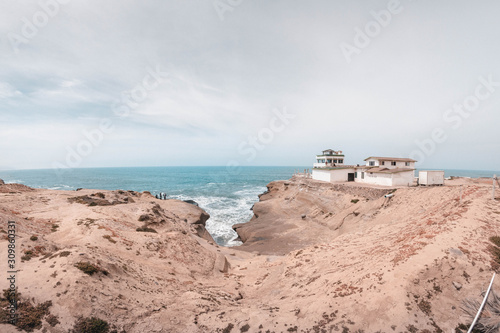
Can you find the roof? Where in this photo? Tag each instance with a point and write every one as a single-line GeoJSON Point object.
{"type": "Point", "coordinates": [330, 155]}
{"type": "Point", "coordinates": [332, 151]}
{"type": "Point", "coordinates": [340, 167]}
{"type": "Point", "coordinates": [395, 159]}
{"type": "Point", "coordinates": [387, 170]}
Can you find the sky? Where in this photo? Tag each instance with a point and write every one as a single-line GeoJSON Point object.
{"type": "Point", "coordinates": [122, 83]}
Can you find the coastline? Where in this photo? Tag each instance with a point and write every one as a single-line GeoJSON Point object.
{"type": "Point", "coordinates": [315, 256]}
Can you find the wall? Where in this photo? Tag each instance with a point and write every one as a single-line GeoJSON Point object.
{"type": "Point", "coordinates": [337, 175]}
{"type": "Point", "coordinates": [431, 177]}
{"type": "Point", "coordinates": [377, 178]}
{"type": "Point", "coordinates": [323, 175]}
{"type": "Point", "coordinates": [387, 179]}
{"type": "Point", "coordinates": [340, 175]}
{"type": "Point", "coordinates": [403, 178]}
{"type": "Point", "coordinates": [389, 166]}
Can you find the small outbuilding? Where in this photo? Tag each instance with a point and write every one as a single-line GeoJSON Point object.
{"type": "Point", "coordinates": [431, 177]}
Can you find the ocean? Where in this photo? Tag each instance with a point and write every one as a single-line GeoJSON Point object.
{"type": "Point", "coordinates": [227, 195]}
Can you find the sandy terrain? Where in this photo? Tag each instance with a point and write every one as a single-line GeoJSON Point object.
{"type": "Point", "coordinates": [317, 257]}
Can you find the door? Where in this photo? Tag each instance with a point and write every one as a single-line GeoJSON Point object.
{"type": "Point", "coordinates": [350, 177]}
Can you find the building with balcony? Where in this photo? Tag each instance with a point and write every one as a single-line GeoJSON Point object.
{"type": "Point", "coordinates": [385, 171]}
{"type": "Point", "coordinates": [329, 158]}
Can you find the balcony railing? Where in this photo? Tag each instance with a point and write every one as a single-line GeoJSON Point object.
{"type": "Point", "coordinates": [327, 165]}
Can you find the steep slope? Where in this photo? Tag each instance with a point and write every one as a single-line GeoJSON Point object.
{"type": "Point", "coordinates": [144, 281]}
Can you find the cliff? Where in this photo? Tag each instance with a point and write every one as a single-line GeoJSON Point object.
{"type": "Point", "coordinates": [316, 257]}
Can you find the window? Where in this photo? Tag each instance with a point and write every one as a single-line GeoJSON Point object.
{"type": "Point", "coordinates": [383, 163]}
{"type": "Point", "coordinates": [407, 163]}
{"type": "Point", "coordinates": [372, 163]}
{"type": "Point", "coordinates": [362, 175]}
{"type": "Point", "coordinates": [341, 161]}
{"type": "Point", "coordinates": [334, 161]}
{"type": "Point", "coordinates": [393, 163]}
{"type": "Point", "coordinates": [356, 175]}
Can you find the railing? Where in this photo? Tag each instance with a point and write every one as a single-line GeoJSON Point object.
{"type": "Point", "coordinates": [303, 174]}
{"type": "Point", "coordinates": [327, 165]}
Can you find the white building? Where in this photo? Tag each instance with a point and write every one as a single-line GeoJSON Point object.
{"type": "Point", "coordinates": [386, 171]}
{"type": "Point", "coordinates": [329, 158]}
{"type": "Point", "coordinates": [431, 177]}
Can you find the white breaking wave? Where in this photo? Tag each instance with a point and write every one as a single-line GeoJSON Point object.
{"type": "Point", "coordinates": [225, 212]}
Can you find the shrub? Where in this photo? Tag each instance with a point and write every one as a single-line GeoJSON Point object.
{"type": "Point", "coordinates": [100, 195]}
{"type": "Point", "coordinates": [108, 237]}
{"type": "Point", "coordinates": [157, 209]}
{"type": "Point", "coordinates": [354, 200]}
{"type": "Point", "coordinates": [27, 255]}
{"type": "Point", "coordinates": [64, 253]}
{"type": "Point", "coordinates": [495, 240]}
{"type": "Point", "coordinates": [33, 238]}
{"type": "Point", "coordinates": [146, 229]}
{"type": "Point", "coordinates": [52, 320]}
{"type": "Point", "coordinates": [89, 268]}
{"type": "Point", "coordinates": [245, 328]}
{"type": "Point", "coordinates": [90, 325]}
{"type": "Point", "coordinates": [29, 316]}
{"type": "Point", "coordinates": [228, 328]}
{"type": "Point", "coordinates": [495, 253]}
{"type": "Point", "coordinates": [54, 227]}
{"type": "Point", "coordinates": [425, 307]}
{"type": "Point", "coordinates": [144, 217]}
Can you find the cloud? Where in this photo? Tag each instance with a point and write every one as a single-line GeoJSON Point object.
{"type": "Point", "coordinates": [8, 91]}
{"type": "Point", "coordinates": [226, 77]}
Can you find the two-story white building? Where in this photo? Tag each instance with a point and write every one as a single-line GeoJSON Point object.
{"type": "Point", "coordinates": [329, 158]}
{"type": "Point", "coordinates": [386, 171]}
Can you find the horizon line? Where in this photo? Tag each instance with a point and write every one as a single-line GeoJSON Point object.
{"type": "Point", "coordinates": [214, 166]}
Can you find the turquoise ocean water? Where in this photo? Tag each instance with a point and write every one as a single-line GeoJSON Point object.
{"type": "Point", "coordinates": [227, 195]}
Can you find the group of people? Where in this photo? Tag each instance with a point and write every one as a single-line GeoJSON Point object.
{"type": "Point", "coordinates": [161, 196]}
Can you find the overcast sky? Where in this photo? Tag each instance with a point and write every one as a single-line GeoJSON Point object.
{"type": "Point", "coordinates": [158, 83]}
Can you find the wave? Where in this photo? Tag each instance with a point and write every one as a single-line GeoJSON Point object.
{"type": "Point", "coordinates": [226, 211]}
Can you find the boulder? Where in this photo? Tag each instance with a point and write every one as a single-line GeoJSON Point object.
{"type": "Point", "coordinates": [192, 202]}
{"type": "Point", "coordinates": [221, 263]}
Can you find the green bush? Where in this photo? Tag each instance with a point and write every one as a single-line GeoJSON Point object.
{"type": "Point", "coordinates": [90, 325]}
{"type": "Point", "coordinates": [33, 238]}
